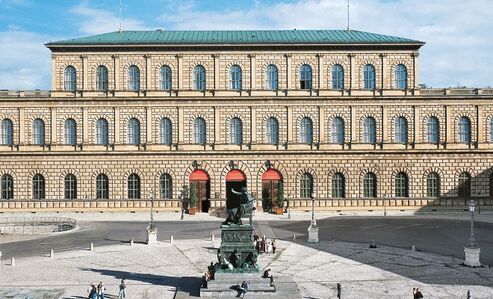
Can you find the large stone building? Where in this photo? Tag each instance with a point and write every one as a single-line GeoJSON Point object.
{"type": "Point", "coordinates": [334, 115]}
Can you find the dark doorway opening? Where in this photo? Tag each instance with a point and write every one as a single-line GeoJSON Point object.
{"type": "Point", "coordinates": [233, 200]}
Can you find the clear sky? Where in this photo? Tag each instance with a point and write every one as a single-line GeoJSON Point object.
{"type": "Point", "coordinates": [458, 33]}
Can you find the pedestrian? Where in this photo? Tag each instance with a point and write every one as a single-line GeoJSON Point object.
{"type": "Point", "coordinates": [262, 244]}
{"type": "Point", "coordinates": [123, 289]}
{"type": "Point", "coordinates": [257, 246]}
{"type": "Point", "coordinates": [101, 290]}
{"type": "Point", "coordinates": [211, 269]}
{"type": "Point", "coordinates": [93, 292]}
{"type": "Point", "coordinates": [243, 289]}
{"type": "Point", "coordinates": [269, 247]}
{"type": "Point", "coordinates": [274, 246]}
{"type": "Point", "coordinates": [268, 275]}
{"type": "Point", "coordinates": [417, 294]}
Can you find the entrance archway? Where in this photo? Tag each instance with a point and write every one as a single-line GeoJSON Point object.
{"type": "Point", "coordinates": [270, 188]}
{"type": "Point", "coordinates": [200, 179]}
{"type": "Point", "coordinates": [235, 179]}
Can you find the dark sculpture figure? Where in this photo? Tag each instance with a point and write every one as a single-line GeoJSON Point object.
{"type": "Point", "coordinates": [246, 206]}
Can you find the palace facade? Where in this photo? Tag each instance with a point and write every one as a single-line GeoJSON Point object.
{"type": "Point", "coordinates": [335, 116]}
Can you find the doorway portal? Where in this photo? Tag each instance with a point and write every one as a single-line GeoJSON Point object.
{"type": "Point", "coordinates": [235, 179]}
{"type": "Point", "coordinates": [270, 189]}
{"type": "Point", "coordinates": [200, 179]}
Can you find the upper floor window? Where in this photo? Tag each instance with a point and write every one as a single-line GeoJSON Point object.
{"type": "Point", "coordinates": [165, 78]}
{"type": "Point", "coordinates": [464, 130]}
{"type": "Point", "coordinates": [400, 76]}
{"type": "Point", "coordinates": [305, 77]}
{"type": "Point", "coordinates": [401, 130]}
{"type": "Point", "coordinates": [337, 77]}
{"type": "Point", "coordinates": [133, 78]}
{"type": "Point", "coordinates": [338, 185]}
{"type": "Point", "coordinates": [369, 77]}
{"type": "Point", "coordinates": [306, 130]}
{"type": "Point", "coordinates": [235, 131]}
{"type": "Point", "coordinates": [337, 130]}
{"type": "Point", "coordinates": [70, 183]}
{"type": "Point", "coordinates": [166, 186]}
{"type": "Point", "coordinates": [401, 185]}
{"type": "Point", "coordinates": [272, 130]}
{"type": "Point", "coordinates": [432, 130]}
{"type": "Point", "coordinates": [271, 77]}
{"type": "Point", "coordinates": [464, 185]}
{"type": "Point", "coordinates": [133, 186]}
{"type": "Point", "coordinates": [235, 77]}
{"type": "Point", "coordinates": [433, 185]}
{"type": "Point", "coordinates": [70, 132]}
{"type": "Point", "coordinates": [199, 130]}
{"type": "Point", "coordinates": [199, 78]}
{"type": "Point", "coordinates": [165, 131]}
{"type": "Point", "coordinates": [38, 186]}
{"type": "Point", "coordinates": [102, 186]}
{"type": "Point", "coordinates": [133, 131]}
{"type": "Point", "coordinates": [7, 187]}
{"type": "Point", "coordinates": [369, 130]}
{"type": "Point", "coordinates": [102, 132]}
{"type": "Point", "coordinates": [38, 133]}
{"type": "Point", "coordinates": [306, 185]}
{"type": "Point", "coordinates": [102, 78]}
{"type": "Point", "coordinates": [7, 132]}
{"type": "Point", "coordinates": [370, 185]}
{"type": "Point", "coordinates": [70, 79]}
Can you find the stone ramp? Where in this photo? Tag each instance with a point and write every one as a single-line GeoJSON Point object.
{"type": "Point", "coordinates": [22, 293]}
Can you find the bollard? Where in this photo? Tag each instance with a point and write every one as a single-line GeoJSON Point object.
{"type": "Point", "coordinates": [212, 237]}
{"type": "Point", "coordinates": [413, 249]}
{"type": "Point", "coordinates": [52, 253]}
{"type": "Point", "coordinates": [132, 242]}
{"type": "Point", "coordinates": [373, 244]}
{"type": "Point", "coordinates": [294, 237]}
{"type": "Point", "coordinates": [171, 239]}
{"type": "Point", "coordinates": [0, 258]}
{"type": "Point", "coordinates": [12, 261]}
{"type": "Point", "coordinates": [92, 247]}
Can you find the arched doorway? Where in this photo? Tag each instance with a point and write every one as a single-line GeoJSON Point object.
{"type": "Point", "coordinates": [201, 181]}
{"type": "Point", "coordinates": [271, 179]}
{"type": "Point", "coordinates": [235, 179]}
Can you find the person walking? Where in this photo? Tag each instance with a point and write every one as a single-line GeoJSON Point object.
{"type": "Point", "coordinates": [93, 292]}
{"type": "Point", "coordinates": [274, 246]}
{"type": "Point", "coordinates": [123, 289]}
{"type": "Point", "coordinates": [417, 294]}
{"type": "Point", "coordinates": [269, 247]}
{"type": "Point", "coordinates": [101, 290]}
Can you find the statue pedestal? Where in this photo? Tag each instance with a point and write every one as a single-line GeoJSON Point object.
{"type": "Point", "coordinates": [472, 257]}
{"type": "Point", "coordinates": [237, 253]}
{"type": "Point", "coordinates": [151, 234]}
{"type": "Point", "coordinates": [313, 234]}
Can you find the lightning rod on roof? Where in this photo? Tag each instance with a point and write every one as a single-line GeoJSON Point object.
{"type": "Point", "coordinates": [121, 7]}
{"type": "Point", "coordinates": [348, 15]}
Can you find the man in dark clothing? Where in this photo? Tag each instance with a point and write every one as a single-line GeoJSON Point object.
{"type": "Point", "coordinates": [243, 289]}
{"type": "Point", "coordinates": [417, 294]}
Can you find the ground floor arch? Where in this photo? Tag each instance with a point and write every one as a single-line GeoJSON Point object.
{"type": "Point", "coordinates": [235, 180]}
{"type": "Point", "coordinates": [271, 183]}
{"type": "Point", "coordinates": [200, 180]}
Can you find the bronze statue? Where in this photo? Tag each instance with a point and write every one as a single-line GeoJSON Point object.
{"type": "Point", "coordinates": [246, 207]}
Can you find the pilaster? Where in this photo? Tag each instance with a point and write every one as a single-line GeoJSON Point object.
{"type": "Point", "coordinates": [320, 71]}
{"type": "Point", "coordinates": [252, 71]}
{"type": "Point", "coordinates": [385, 125]}
{"type": "Point", "coordinates": [352, 77]}
{"type": "Point", "coordinates": [289, 112]}
{"type": "Point", "coordinates": [22, 126]}
{"type": "Point", "coordinates": [148, 59]}
{"type": "Point", "coordinates": [352, 136]}
{"type": "Point", "coordinates": [253, 124]}
{"type": "Point", "coordinates": [288, 71]}
{"type": "Point", "coordinates": [217, 125]}
{"type": "Point", "coordinates": [149, 137]}
{"type": "Point", "coordinates": [481, 130]}
{"type": "Point", "coordinates": [384, 80]}
{"type": "Point", "coordinates": [417, 125]}
{"type": "Point", "coordinates": [85, 126]}
{"type": "Point", "coordinates": [116, 116]}
{"type": "Point", "coordinates": [415, 56]}
{"type": "Point", "coordinates": [53, 126]}
{"type": "Point", "coordinates": [54, 71]}
{"type": "Point", "coordinates": [322, 137]}
{"type": "Point", "coordinates": [448, 125]}
{"type": "Point", "coordinates": [179, 58]}
{"type": "Point", "coordinates": [216, 71]}
{"type": "Point", "coordinates": [85, 73]}
{"type": "Point", "coordinates": [180, 125]}
{"type": "Point", "coordinates": [116, 75]}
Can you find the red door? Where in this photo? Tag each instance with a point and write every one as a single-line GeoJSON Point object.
{"type": "Point", "coordinates": [270, 187]}
{"type": "Point", "coordinates": [200, 179]}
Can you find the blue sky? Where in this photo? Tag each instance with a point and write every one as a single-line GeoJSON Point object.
{"type": "Point", "coordinates": [459, 34]}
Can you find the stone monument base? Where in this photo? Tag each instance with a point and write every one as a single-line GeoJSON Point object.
{"type": "Point", "coordinates": [472, 257]}
{"type": "Point", "coordinates": [151, 234]}
{"type": "Point", "coordinates": [313, 234]}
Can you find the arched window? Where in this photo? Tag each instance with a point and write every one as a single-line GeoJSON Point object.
{"type": "Point", "coordinates": [102, 132]}
{"type": "Point", "coordinates": [7, 187]}
{"type": "Point", "coordinates": [432, 130]}
{"type": "Point", "coordinates": [337, 132]}
{"type": "Point", "coordinates": [133, 186]}
{"type": "Point", "coordinates": [464, 130]}
{"type": "Point", "coordinates": [235, 131]}
{"type": "Point", "coordinates": [337, 77]}
{"type": "Point", "coordinates": [199, 78]}
{"type": "Point", "coordinates": [133, 78]}
{"type": "Point", "coordinates": [401, 185]}
{"type": "Point", "coordinates": [401, 130]}
{"type": "Point", "coordinates": [369, 130]}
{"type": "Point", "coordinates": [369, 77]}
{"type": "Point", "coordinates": [271, 77]}
{"type": "Point", "coordinates": [165, 78]}
{"type": "Point", "coordinates": [133, 131]}
{"type": "Point", "coordinates": [70, 79]}
{"type": "Point", "coordinates": [400, 76]}
{"type": "Point", "coordinates": [370, 185]}
{"type": "Point", "coordinates": [70, 186]}
{"type": "Point", "coordinates": [166, 186]}
{"type": "Point", "coordinates": [7, 132]}
{"type": "Point", "coordinates": [306, 185]}
{"type": "Point", "coordinates": [272, 130]}
{"type": "Point", "coordinates": [199, 131]}
{"type": "Point", "coordinates": [306, 130]}
{"type": "Point", "coordinates": [338, 185]}
{"type": "Point", "coordinates": [38, 131]}
{"type": "Point", "coordinates": [102, 78]}
{"type": "Point", "coordinates": [38, 186]}
{"type": "Point", "coordinates": [165, 131]}
{"type": "Point", "coordinates": [305, 77]}
{"type": "Point", "coordinates": [433, 185]}
{"type": "Point", "coordinates": [102, 187]}
{"type": "Point", "coordinates": [70, 136]}
{"type": "Point", "coordinates": [235, 77]}
{"type": "Point", "coordinates": [464, 189]}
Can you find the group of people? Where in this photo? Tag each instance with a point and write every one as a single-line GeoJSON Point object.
{"type": "Point", "coordinates": [211, 270]}
{"type": "Point", "coordinates": [263, 245]}
{"type": "Point", "coordinates": [97, 292]}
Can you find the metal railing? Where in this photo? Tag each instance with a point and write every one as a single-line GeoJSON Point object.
{"type": "Point", "coordinates": [35, 225]}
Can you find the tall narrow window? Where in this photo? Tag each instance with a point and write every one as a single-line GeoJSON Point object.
{"type": "Point", "coordinates": [235, 77]}
{"type": "Point", "coordinates": [401, 130]}
{"type": "Point", "coordinates": [133, 131]}
{"type": "Point", "coordinates": [133, 78]}
{"type": "Point", "coordinates": [38, 131]}
{"type": "Point", "coordinates": [133, 186]}
{"type": "Point", "coordinates": [370, 185]}
{"type": "Point", "coordinates": [38, 186]}
{"type": "Point", "coordinates": [235, 131]}
{"type": "Point", "coordinates": [70, 137]}
{"type": "Point", "coordinates": [272, 130]}
{"type": "Point", "coordinates": [102, 78]}
{"type": "Point", "coordinates": [464, 185]}
{"type": "Point", "coordinates": [165, 131]}
{"type": "Point", "coordinates": [337, 132]}
{"type": "Point", "coordinates": [369, 77]}
{"type": "Point", "coordinates": [432, 130]}
{"type": "Point", "coordinates": [102, 137]}
{"type": "Point", "coordinates": [306, 130]}
{"type": "Point", "coordinates": [400, 76]}
{"type": "Point", "coordinates": [166, 186]}
{"type": "Point", "coordinates": [306, 185]}
{"type": "Point", "coordinates": [102, 186]}
{"type": "Point", "coordinates": [165, 78]}
{"type": "Point", "coordinates": [199, 131]}
{"type": "Point", "coordinates": [199, 78]}
{"type": "Point", "coordinates": [271, 77]}
{"type": "Point", "coordinates": [401, 185]}
{"type": "Point", "coordinates": [7, 132]}
{"type": "Point", "coordinates": [369, 130]}
{"type": "Point", "coordinates": [305, 77]}
{"type": "Point", "coordinates": [338, 185]}
{"type": "Point", "coordinates": [464, 130]}
{"type": "Point", "coordinates": [433, 185]}
{"type": "Point", "coordinates": [70, 187]}
{"type": "Point", "coordinates": [337, 77]}
{"type": "Point", "coordinates": [70, 79]}
{"type": "Point", "coordinates": [7, 187]}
